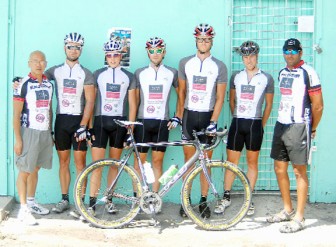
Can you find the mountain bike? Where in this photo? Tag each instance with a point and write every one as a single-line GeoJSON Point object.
{"type": "Point", "coordinates": [130, 192]}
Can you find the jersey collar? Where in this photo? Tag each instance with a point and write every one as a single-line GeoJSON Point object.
{"type": "Point", "coordinates": [35, 79]}
{"type": "Point", "coordinates": [298, 65]}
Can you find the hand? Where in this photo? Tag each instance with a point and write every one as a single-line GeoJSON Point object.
{"type": "Point", "coordinates": [313, 134]}
{"type": "Point", "coordinates": [173, 122]}
{"type": "Point", "coordinates": [127, 140]}
{"type": "Point", "coordinates": [212, 128]}
{"type": "Point", "coordinates": [90, 136]}
{"type": "Point", "coordinates": [18, 148]}
{"type": "Point", "coordinates": [80, 134]}
{"type": "Point", "coordinates": [16, 82]}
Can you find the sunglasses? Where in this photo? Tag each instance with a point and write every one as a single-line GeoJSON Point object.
{"type": "Point", "coordinates": [74, 47]}
{"type": "Point", "coordinates": [293, 52]}
{"type": "Point", "coordinates": [158, 51]}
{"type": "Point", "coordinates": [201, 40]}
{"type": "Point", "coordinates": [110, 55]}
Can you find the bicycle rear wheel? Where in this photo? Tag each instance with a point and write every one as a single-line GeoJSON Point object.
{"type": "Point", "coordinates": [122, 195]}
{"type": "Point", "coordinates": [240, 197]}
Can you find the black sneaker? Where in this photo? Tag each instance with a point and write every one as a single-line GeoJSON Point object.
{"type": "Point", "coordinates": [204, 209]}
{"type": "Point", "coordinates": [182, 213]}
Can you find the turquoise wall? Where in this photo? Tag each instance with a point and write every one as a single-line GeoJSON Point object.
{"type": "Point", "coordinates": [40, 24]}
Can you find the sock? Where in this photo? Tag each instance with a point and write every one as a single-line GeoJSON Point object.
{"type": "Point", "coordinates": [30, 200]}
{"type": "Point", "coordinates": [92, 202]}
{"type": "Point", "coordinates": [203, 199]}
{"type": "Point", "coordinates": [65, 197]}
{"type": "Point", "coordinates": [134, 194]}
{"type": "Point", "coordinates": [226, 195]}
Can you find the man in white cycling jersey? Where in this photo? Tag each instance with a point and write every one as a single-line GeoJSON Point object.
{"type": "Point", "coordinates": [249, 89]}
{"type": "Point", "coordinates": [202, 85]}
{"type": "Point", "coordinates": [115, 94]}
{"type": "Point", "coordinates": [299, 114]}
{"type": "Point", "coordinates": [75, 101]}
{"type": "Point", "coordinates": [154, 84]}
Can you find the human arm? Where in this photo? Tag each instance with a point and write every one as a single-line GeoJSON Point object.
{"type": "Point", "coordinates": [317, 110]}
{"type": "Point", "coordinates": [17, 110]}
{"type": "Point", "coordinates": [181, 96]}
{"type": "Point", "coordinates": [220, 96]}
{"type": "Point", "coordinates": [232, 100]}
{"type": "Point", "coordinates": [268, 108]}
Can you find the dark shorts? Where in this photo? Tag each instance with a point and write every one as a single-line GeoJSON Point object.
{"type": "Point", "coordinates": [291, 143]}
{"type": "Point", "coordinates": [106, 129]}
{"type": "Point", "coordinates": [65, 128]}
{"type": "Point", "coordinates": [195, 121]}
{"type": "Point", "coordinates": [152, 130]}
{"type": "Point", "coordinates": [248, 132]}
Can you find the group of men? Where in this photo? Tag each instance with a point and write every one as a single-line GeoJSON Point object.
{"type": "Point", "coordinates": [87, 104]}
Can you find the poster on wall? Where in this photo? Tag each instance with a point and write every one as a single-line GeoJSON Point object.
{"type": "Point", "coordinates": [124, 34]}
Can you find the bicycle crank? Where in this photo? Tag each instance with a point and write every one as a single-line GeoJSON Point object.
{"type": "Point", "coordinates": [150, 202]}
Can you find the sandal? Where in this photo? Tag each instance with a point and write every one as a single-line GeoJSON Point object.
{"type": "Point", "coordinates": [280, 217]}
{"type": "Point", "coordinates": [293, 226]}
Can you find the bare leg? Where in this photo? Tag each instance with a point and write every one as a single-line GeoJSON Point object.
{"type": "Point", "coordinates": [252, 162]}
{"type": "Point", "coordinates": [157, 159]}
{"type": "Point", "coordinates": [300, 172]}
{"type": "Point", "coordinates": [80, 162]}
{"type": "Point", "coordinates": [229, 177]}
{"type": "Point", "coordinates": [32, 183]}
{"type": "Point", "coordinates": [21, 184]}
{"type": "Point", "coordinates": [64, 172]}
{"type": "Point", "coordinates": [115, 153]}
{"type": "Point", "coordinates": [280, 168]}
{"type": "Point", "coordinates": [95, 180]}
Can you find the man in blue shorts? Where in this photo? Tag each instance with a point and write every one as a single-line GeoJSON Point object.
{"type": "Point", "coordinates": [32, 123]}
{"type": "Point", "coordinates": [202, 85]}
{"type": "Point", "coordinates": [299, 114]}
{"type": "Point", "coordinates": [154, 84]}
{"type": "Point", "coordinates": [249, 89]}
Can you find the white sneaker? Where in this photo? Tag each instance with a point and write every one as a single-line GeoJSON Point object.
{"type": "Point", "coordinates": [61, 206]}
{"type": "Point", "coordinates": [251, 209]}
{"type": "Point", "coordinates": [91, 211]}
{"type": "Point", "coordinates": [74, 213]}
{"type": "Point", "coordinates": [36, 208]}
{"type": "Point", "coordinates": [111, 208]}
{"type": "Point", "coordinates": [220, 207]}
{"type": "Point", "coordinates": [26, 217]}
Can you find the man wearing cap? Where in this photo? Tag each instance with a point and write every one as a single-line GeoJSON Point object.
{"type": "Point", "coordinates": [299, 114]}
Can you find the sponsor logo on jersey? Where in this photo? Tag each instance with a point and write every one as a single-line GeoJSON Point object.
{"type": "Point", "coordinates": [286, 85]}
{"type": "Point", "coordinates": [65, 103]}
{"type": "Point", "coordinates": [247, 92]}
{"type": "Point", "coordinates": [150, 109]}
{"type": "Point", "coordinates": [194, 98]}
{"type": "Point", "coordinates": [241, 108]}
{"type": "Point", "coordinates": [112, 91]}
{"type": "Point", "coordinates": [69, 86]}
{"type": "Point", "coordinates": [199, 83]}
{"type": "Point", "coordinates": [42, 98]}
{"type": "Point", "coordinates": [40, 118]}
{"type": "Point", "coordinates": [155, 91]}
{"type": "Point", "coordinates": [108, 107]}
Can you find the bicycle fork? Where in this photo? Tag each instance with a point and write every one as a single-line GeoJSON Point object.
{"type": "Point", "coordinates": [207, 176]}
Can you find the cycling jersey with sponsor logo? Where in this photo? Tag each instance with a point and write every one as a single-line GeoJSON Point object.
{"type": "Point", "coordinates": [155, 88]}
{"type": "Point", "coordinates": [296, 86]}
{"type": "Point", "coordinates": [250, 95]}
{"type": "Point", "coordinates": [112, 94]}
{"type": "Point", "coordinates": [36, 98]}
{"type": "Point", "coordinates": [69, 84]}
{"type": "Point", "coordinates": [201, 79]}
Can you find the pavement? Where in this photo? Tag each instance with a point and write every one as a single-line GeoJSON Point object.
{"type": "Point", "coordinates": [62, 230]}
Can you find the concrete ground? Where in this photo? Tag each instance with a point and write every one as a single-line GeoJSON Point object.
{"type": "Point", "coordinates": [62, 230]}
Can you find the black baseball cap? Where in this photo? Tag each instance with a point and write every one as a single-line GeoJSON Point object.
{"type": "Point", "coordinates": [293, 44]}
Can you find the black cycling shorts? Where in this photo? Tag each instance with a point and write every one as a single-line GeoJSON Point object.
{"type": "Point", "coordinates": [195, 121]}
{"type": "Point", "coordinates": [65, 129]}
{"type": "Point", "coordinates": [106, 129]}
{"type": "Point", "coordinates": [248, 132]}
{"type": "Point", "coordinates": [152, 130]}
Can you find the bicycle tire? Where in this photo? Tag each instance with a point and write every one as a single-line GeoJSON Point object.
{"type": "Point", "coordinates": [122, 195]}
{"type": "Point", "coordinates": [240, 197]}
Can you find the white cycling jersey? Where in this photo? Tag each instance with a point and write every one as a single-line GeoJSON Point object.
{"type": "Point", "coordinates": [155, 88]}
{"type": "Point", "coordinates": [296, 86]}
{"type": "Point", "coordinates": [69, 84]}
{"type": "Point", "coordinates": [250, 95]}
{"type": "Point", "coordinates": [112, 91]}
{"type": "Point", "coordinates": [37, 98]}
{"type": "Point", "coordinates": [201, 79]}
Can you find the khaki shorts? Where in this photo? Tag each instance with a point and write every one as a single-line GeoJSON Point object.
{"type": "Point", "coordinates": [37, 150]}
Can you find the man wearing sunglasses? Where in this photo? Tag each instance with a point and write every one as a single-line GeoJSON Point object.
{"type": "Point", "coordinates": [154, 83]}
{"type": "Point", "coordinates": [115, 92]}
{"type": "Point", "coordinates": [75, 101]}
{"type": "Point", "coordinates": [202, 85]}
{"type": "Point", "coordinates": [299, 114]}
{"type": "Point", "coordinates": [249, 88]}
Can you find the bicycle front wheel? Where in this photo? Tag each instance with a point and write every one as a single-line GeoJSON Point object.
{"type": "Point", "coordinates": [230, 215]}
{"type": "Point", "coordinates": [125, 204]}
